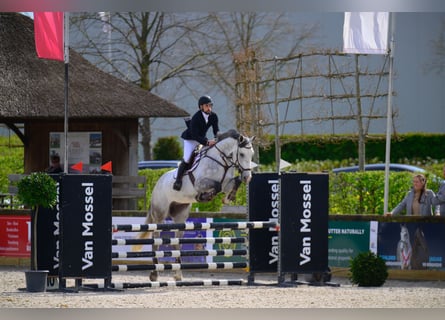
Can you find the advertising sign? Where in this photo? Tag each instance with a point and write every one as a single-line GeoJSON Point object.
{"type": "Point", "coordinates": [229, 246]}
{"type": "Point", "coordinates": [15, 236]}
{"type": "Point", "coordinates": [304, 222]}
{"type": "Point", "coordinates": [414, 246]}
{"type": "Point", "coordinates": [48, 235]}
{"type": "Point", "coordinates": [263, 205]}
{"type": "Point", "coordinates": [349, 238]}
{"type": "Point", "coordinates": [85, 226]}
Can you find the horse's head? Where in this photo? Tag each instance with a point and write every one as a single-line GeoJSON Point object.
{"type": "Point", "coordinates": [244, 157]}
{"type": "Point", "coordinates": [404, 234]}
{"type": "Point", "coordinates": [239, 150]}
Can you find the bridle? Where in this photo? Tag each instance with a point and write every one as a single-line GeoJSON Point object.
{"type": "Point", "coordinates": [226, 161]}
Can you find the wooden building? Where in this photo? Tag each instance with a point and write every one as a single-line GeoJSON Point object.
{"type": "Point", "coordinates": [32, 102]}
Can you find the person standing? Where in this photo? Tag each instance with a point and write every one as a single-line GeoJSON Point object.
{"type": "Point", "coordinates": [55, 166]}
{"type": "Point", "coordinates": [439, 199]}
{"type": "Point", "coordinates": [195, 134]}
{"type": "Point", "coordinates": [418, 201]}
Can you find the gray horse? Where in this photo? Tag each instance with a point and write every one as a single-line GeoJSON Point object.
{"type": "Point", "coordinates": [212, 172]}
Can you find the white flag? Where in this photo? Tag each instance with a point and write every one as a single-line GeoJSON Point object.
{"type": "Point", "coordinates": [366, 32]}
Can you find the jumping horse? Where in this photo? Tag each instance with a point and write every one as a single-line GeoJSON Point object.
{"type": "Point", "coordinates": [212, 172]}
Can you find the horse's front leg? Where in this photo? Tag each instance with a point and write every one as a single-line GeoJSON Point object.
{"type": "Point", "coordinates": [232, 188]}
{"type": "Point", "coordinates": [207, 189]}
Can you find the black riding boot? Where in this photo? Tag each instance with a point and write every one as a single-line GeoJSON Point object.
{"type": "Point", "coordinates": [178, 183]}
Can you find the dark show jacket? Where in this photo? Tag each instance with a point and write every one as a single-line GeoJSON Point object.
{"type": "Point", "coordinates": [198, 127]}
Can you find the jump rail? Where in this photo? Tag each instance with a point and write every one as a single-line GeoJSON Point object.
{"type": "Point", "coordinates": [179, 266]}
{"type": "Point", "coordinates": [158, 284]}
{"type": "Point", "coordinates": [180, 253]}
{"type": "Point", "coordinates": [195, 226]}
{"type": "Point", "coordinates": [175, 241]}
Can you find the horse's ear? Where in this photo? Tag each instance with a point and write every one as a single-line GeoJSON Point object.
{"type": "Point", "coordinates": [252, 138]}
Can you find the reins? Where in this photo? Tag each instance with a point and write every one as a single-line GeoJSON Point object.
{"type": "Point", "coordinates": [228, 162]}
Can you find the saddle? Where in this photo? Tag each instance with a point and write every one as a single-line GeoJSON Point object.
{"type": "Point", "coordinates": [194, 160]}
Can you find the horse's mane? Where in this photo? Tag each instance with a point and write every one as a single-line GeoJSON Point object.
{"type": "Point", "coordinates": [244, 142]}
{"type": "Point", "coordinates": [232, 133]}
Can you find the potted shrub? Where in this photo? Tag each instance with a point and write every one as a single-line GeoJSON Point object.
{"type": "Point", "coordinates": [368, 270]}
{"type": "Point", "coordinates": [36, 190]}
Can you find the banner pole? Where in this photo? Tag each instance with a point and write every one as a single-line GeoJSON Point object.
{"type": "Point", "coordinates": [66, 61]}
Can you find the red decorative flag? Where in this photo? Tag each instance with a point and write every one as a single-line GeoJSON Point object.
{"type": "Point", "coordinates": [107, 167]}
{"type": "Point", "coordinates": [78, 166]}
{"type": "Point", "coordinates": [48, 35]}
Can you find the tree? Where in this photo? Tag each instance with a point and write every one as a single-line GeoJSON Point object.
{"type": "Point", "coordinates": [145, 48]}
{"type": "Point", "coordinates": [238, 40]}
{"type": "Point", "coordinates": [153, 49]}
{"type": "Point", "coordinates": [437, 65]}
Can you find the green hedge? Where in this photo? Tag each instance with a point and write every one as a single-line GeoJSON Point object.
{"type": "Point", "coordinates": [324, 147]}
{"type": "Point", "coordinates": [363, 192]}
{"type": "Point", "coordinates": [11, 159]}
{"type": "Point", "coordinates": [349, 193]}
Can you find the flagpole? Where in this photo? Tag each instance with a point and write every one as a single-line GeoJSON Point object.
{"type": "Point", "coordinates": [389, 112]}
{"type": "Point", "coordinates": [66, 28]}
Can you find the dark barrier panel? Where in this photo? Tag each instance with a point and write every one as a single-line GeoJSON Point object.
{"type": "Point", "coordinates": [48, 235]}
{"type": "Point", "coordinates": [304, 222]}
{"type": "Point", "coordinates": [85, 226]}
{"type": "Point", "coordinates": [263, 205]}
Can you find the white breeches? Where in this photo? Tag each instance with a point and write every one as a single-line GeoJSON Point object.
{"type": "Point", "coordinates": [189, 147]}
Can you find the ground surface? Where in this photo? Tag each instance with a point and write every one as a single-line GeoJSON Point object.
{"type": "Point", "coordinates": [393, 294]}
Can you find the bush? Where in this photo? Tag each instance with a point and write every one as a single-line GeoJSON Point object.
{"type": "Point", "coordinates": [37, 189]}
{"type": "Point", "coordinates": [368, 270]}
{"type": "Point", "coordinates": [167, 148]}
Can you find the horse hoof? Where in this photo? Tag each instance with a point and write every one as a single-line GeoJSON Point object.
{"type": "Point", "coordinates": [154, 276]}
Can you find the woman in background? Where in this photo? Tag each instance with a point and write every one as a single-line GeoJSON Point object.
{"type": "Point", "coordinates": [418, 201]}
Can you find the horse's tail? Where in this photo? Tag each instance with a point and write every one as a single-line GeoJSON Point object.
{"type": "Point", "coordinates": [143, 234]}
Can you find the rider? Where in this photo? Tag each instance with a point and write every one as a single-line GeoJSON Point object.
{"type": "Point", "coordinates": [195, 134]}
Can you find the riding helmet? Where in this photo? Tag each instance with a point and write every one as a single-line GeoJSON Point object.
{"type": "Point", "coordinates": [204, 100]}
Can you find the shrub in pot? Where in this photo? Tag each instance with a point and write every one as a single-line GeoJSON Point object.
{"type": "Point", "coordinates": [368, 270]}
{"type": "Point", "coordinates": [35, 190]}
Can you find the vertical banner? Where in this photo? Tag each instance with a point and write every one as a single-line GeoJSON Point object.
{"type": "Point", "coordinates": [48, 34]}
{"type": "Point", "coordinates": [412, 246]}
{"type": "Point", "coordinates": [263, 205]}
{"type": "Point", "coordinates": [366, 32]}
{"type": "Point", "coordinates": [85, 226]}
{"type": "Point", "coordinates": [304, 222]}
